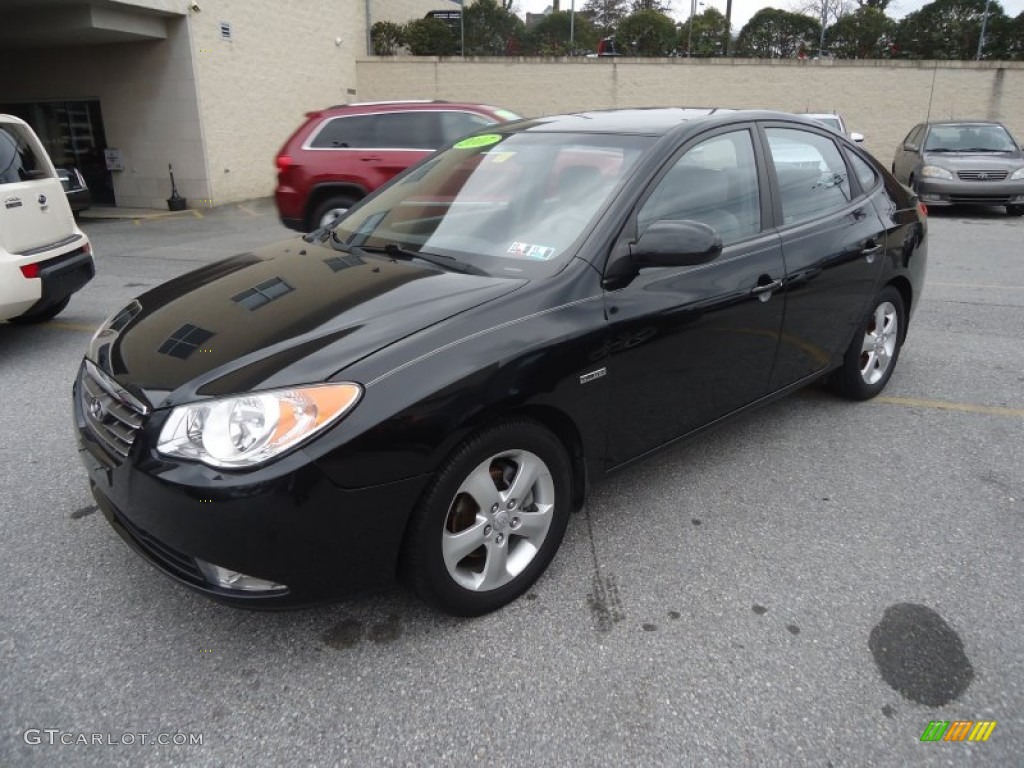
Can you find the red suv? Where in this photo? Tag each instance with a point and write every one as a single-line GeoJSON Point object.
{"type": "Point", "coordinates": [343, 153]}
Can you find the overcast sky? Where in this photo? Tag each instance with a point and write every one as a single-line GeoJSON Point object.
{"type": "Point", "coordinates": [742, 10]}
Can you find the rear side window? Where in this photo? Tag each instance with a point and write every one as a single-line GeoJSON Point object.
{"type": "Point", "coordinates": [813, 179]}
{"type": "Point", "coordinates": [356, 132]}
{"type": "Point", "coordinates": [454, 125]}
{"type": "Point", "coordinates": [18, 158]}
{"type": "Point", "coordinates": [410, 130]}
{"type": "Point", "coordinates": [864, 172]}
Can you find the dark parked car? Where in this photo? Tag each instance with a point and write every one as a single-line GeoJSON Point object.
{"type": "Point", "coordinates": [963, 163]}
{"type": "Point", "coordinates": [429, 387]}
{"type": "Point", "coordinates": [75, 188]}
{"type": "Point", "coordinates": [341, 154]}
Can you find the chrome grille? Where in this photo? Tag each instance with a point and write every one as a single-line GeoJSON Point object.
{"type": "Point", "coordinates": [112, 415]}
{"type": "Point", "coordinates": [982, 175]}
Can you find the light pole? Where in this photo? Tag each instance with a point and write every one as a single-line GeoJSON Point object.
{"type": "Point", "coordinates": [981, 38]}
{"type": "Point", "coordinates": [572, 26]}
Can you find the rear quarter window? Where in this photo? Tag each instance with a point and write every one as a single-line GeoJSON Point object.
{"type": "Point", "coordinates": [19, 160]}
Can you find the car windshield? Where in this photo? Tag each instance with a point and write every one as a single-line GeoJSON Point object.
{"type": "Point", "coordinates": [831, 122]}
{"type": "Point", "coordinates": [969, 138]}
{"type": "Point", "coordinates": [514, 205]}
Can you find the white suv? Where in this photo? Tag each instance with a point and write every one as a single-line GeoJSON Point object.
{"type": "Point", "coordinates": [44, 256]}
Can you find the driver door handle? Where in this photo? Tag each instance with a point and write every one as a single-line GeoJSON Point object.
{"type": "Point", "coordinates": [758, 290]}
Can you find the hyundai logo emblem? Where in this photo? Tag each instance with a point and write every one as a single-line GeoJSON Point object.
{"type": "Point", "coordinates": [982, 176]}
{"type": "Point", "coordinates": [42, 199]}
{"type": "Point", "coordinates": [96, 409]}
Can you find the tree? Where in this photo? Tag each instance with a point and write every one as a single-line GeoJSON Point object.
{"type": "Point", "coordinates": [865, 34]}
{"type": "Point", "coordinates": [647, 33]}
{"type": "Point", "coordinates": [650, 5]}
{"type": "Point", "coordinates": [490, 28]}
{"type": "Point", "coordinates": [550, 35]}
{"type": "Point", "coordinates": [606, 13]}
{"type": "Point", "coordinates": [429, 37]}
{"type": "Point", "coordinates": [709, 32]}
{"type": "Point", "coordinates": [387, 38]}
{"type": "Point", "coordinates": [947, 29]}
{"type": "Point", "coordinates": [773, 34]}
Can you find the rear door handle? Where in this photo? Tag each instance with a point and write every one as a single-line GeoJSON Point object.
{"type": "Point", "coordinates": [764, 292]}
{"type": "Point", "coordinates": [870, 250]}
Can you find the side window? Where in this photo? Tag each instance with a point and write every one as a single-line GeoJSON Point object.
{"type": "Point", "coordinates": [18, 159]}
{"type": "Point", "coordinates": [454, 125]}
{"type": "Point", "coordinates": [865, 173]}
{"type": "Point", "coordinates": [811, 172]}
{"type": "Point", "coordinates": [409, 130]}
{"type": "Point", "coordinates": [355, 132]}
{"type": "Point", "coordinates": [714, 182]}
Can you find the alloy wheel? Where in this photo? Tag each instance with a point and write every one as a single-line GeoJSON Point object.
{"type": "Point", "coordinates": [879, 343]}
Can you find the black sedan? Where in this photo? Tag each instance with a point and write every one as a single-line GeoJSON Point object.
{"type": "Point", "coordinates": [79, 197]}
{"type": "Point", "coordinates": [962, 163]}
{"type": "Point", "coordinates": [429, 388]}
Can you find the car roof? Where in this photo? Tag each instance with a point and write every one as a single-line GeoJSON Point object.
{"type": "Point", "coordinates": [403, 106]}
{"type": "Point", "coordinates": [647, 121]}
{"type": "Point", "coordinates": [965, 122]}
{"type": "Point", "coordinates": [819, 114]}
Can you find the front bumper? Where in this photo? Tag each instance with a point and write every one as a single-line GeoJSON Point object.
{"type": "Point", "coordinates": [285, 522]}
{"type": "Point", "coordinates": [938, 192]}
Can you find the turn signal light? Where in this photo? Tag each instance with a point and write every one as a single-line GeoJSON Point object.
{"type": "Point", "coordinates": [922, 208]}
{"type": "Point", "coordinates": [30, 270]}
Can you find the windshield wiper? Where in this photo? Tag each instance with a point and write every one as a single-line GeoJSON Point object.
{"type": "Point", "coordinates": [984, 149]}
{"type": "Point", "coordinates": [450, 263]}
{"type": "Point", "coordinates": [941, 149]}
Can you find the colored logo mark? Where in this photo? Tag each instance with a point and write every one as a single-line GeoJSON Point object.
{"type": "Point", "coordinates": [958, 730]}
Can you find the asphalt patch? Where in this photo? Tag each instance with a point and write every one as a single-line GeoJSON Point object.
{"type": "Point", "coordinates": [920, 655]}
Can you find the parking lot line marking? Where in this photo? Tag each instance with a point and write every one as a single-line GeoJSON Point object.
{"type": "Point", "coordinates": [943, 405]}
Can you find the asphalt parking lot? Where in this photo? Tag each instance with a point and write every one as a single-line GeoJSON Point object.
{"type": "Point", "coordinates": [745, 598]}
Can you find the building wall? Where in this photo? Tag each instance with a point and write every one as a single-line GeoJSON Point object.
{"type": "Point", "coordinates": [147, 95]}
{"type": "Point", "coordinates": [284, 60]}
{"type": "Point", "coordinates": [881, 99]}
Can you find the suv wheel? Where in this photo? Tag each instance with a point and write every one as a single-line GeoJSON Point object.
{"type": "Point", "coordinates": [332, 208]}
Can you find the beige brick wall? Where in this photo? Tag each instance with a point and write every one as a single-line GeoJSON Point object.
{"type": "Point", "coordinates": [883, 100]}
{"type": "Point", "coordinates": [284, 60]}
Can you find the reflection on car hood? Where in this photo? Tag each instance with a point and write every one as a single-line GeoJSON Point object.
{"type": "Point", "coordinates": [288, 314]}
{"type": "Point", "coordinates": [975, 161]}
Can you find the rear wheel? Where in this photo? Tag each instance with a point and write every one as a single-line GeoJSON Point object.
{"type": "Point", "coordinates": [331, 209]}
{"type": "Point", "coordinates": [491, 521]}
{"type": "Point", "coordinates": [871, 357]}
{"type": "Point", "coordinates": [42, 315]}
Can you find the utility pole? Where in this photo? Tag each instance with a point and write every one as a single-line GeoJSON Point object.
{"type": "Point", "coordinates": [728, 27]}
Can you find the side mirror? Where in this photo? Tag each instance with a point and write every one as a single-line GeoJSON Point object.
{"type": "Point", "coordinates": [858, 137]}
{"type": "Point", "coordinates": [910, 147]}
{"type": "Point", "coordinates": [676, 244]}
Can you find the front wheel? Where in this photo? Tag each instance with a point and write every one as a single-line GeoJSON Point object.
{"type": "Point", "coordinates": [871, 357]}
{"type": "Point", "coordinates": [1015, 210]}
{"type": "Point", "coordinates": [491, 521]}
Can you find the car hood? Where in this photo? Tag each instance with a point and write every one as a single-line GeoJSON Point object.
{"type": "Point", "coordinates": [288, 314]}
{"type": "Point", "coordinates": [975, 161]}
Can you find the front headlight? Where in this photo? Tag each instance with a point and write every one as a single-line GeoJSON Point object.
{"type": "Point", "coordinates": [246, 430]}
{"type": "Point", "coordinates": [1017, 175]}
{"type": "Point", "coordinates": [934, 172]}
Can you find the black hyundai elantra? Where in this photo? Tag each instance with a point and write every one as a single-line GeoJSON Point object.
{"type": "Point", "coordinates": [428, 388]}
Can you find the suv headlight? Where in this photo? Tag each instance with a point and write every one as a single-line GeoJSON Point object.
{"type": "Point", "coordinates": [934, 172]}
{"type": "Point", "coordinates": [1017, 175]}
{"type": "Point", "coordinates": [247, 430]}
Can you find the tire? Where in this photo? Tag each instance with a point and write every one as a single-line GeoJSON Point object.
{"type": "Point", "coordinates": [871, 357]}
{"type": "Point", "coordinates": [42, 315]}
{"type": "Point", "coordinates": [473, 501]}
{"type": "Point", "coordinates": [336, 204]}
{"type": "Point", "coordinates": [1015, 210]}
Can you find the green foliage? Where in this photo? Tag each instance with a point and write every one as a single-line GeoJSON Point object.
{"type": "Point", "coordinates": [606, 14]}
{"type": "Point", "coordinates": [550, 36]}
{"type": "Point", "coordinates": [650, 5]}
{"type": "Point", "coordinates": [865, 34]}
{"type": "Point", "coordinates": [647, 33]}
{"type": "Point", "coordinates": [490, 28]}
{"type": "Point", "coordinates": [949, 29]}
{"type": "Point", "coordinates": [387, 38]}
{"type": "Point", "coordinates": [775, 34]}
{"type": "Point", "coordinates": [429, 37]}
{"type": "Point", "coordinates": [710, 30]}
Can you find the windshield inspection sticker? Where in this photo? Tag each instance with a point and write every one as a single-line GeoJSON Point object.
{"type": "Point", "coordinates": [527, 251]}
{"type": "Point", "coordinates": [478, 141]}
